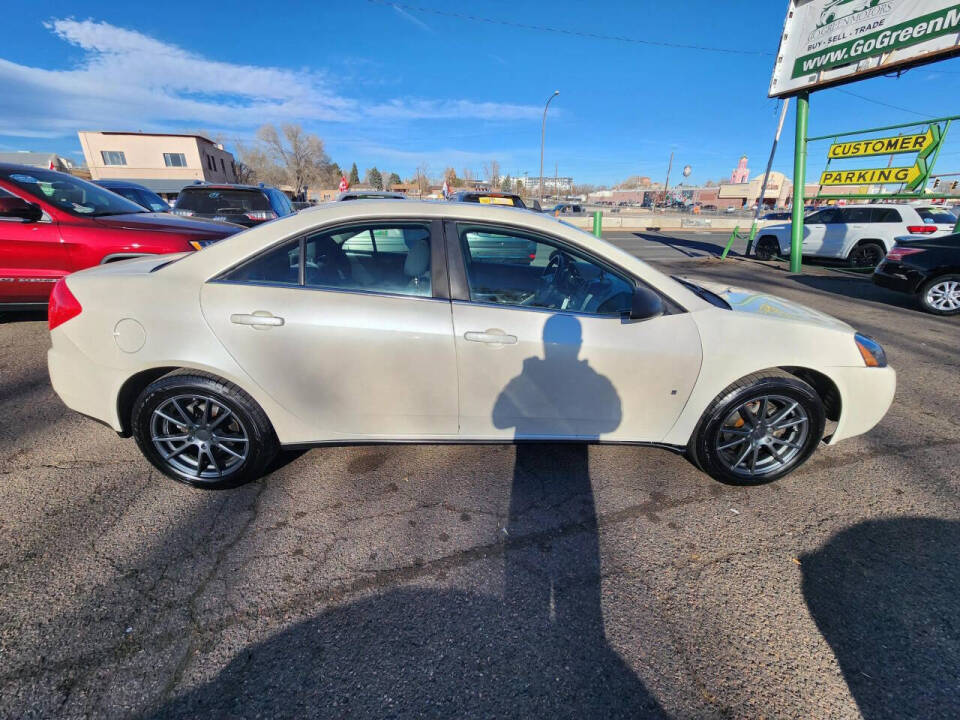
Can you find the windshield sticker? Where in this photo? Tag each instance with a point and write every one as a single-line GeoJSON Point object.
{"type": "Point", "coordinates": [83, 208]}
{"type": "Point", "coordinates": [24, 178]}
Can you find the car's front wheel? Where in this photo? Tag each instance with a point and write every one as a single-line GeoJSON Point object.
{"type": "Point", "coordinates": [941, 295]}
{"type": "Point", "coordinates": [759, 429]}
{"type": "Point", "coordinates": [202, 430]}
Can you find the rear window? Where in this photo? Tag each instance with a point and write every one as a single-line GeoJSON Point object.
{"type": "Point", "coordinates": [937, 216]}
{"type": "Point", "coordinates": [213, 200]}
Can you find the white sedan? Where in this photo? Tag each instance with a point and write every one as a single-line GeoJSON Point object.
{"type": "Point", "coordinates": [382, 322]}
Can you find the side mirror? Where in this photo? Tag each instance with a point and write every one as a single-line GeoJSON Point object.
{"type": "Point", "coordinates": [17, 209]}
{"type": "Point", "coordinates": [646, 304]}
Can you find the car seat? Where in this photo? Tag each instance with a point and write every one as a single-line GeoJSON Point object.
{"type": "Point", "coordinates": [416, 266]}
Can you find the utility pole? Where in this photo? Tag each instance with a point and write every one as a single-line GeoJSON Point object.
{"type": "Point", "coordinates": [543, 134]}
{"type": "Point", "coordinates": [766, 175]}
{"type": "Point", "coordinates": [666, 185]}
{"type": "Point", "coordinates": [556, 181]}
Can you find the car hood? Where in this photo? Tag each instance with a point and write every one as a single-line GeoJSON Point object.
{"type": "Point", "coordinates": [168, 222]}
{"type": "Point", "coordinates": [748, 301]}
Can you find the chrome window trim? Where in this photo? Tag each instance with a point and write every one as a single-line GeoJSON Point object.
{"type": "Point", "coordinates": [348, 291]}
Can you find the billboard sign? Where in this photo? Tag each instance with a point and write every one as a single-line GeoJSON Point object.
{"type": "Point", "coordinates": [884, 146]}
{"type": "Point", "coordinates": [909, 176]}
{"type": "Point", "coordinates": [829, 42]}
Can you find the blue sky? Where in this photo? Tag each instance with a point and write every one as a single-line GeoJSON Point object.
{"type": "Point", "coordinates": [394, 87]}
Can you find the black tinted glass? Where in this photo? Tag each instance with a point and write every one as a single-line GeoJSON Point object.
{"type": "Point", "coordinates": [886, 215]}
{"type": "Point", "coordinates": [212, 201]}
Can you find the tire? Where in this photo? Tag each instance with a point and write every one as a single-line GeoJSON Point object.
{"type": "Point", "coordinates": [215, 434]}
{"type": "Point", "coordinates": [767, 248]}
{"type": "Point", "coordinates": [866, 254]}
{"type": "Point", "coordinates": [941, 295]}
{"type": "Point", "coordinates": [742, 448]}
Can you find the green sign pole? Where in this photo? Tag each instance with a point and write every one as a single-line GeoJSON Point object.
{"type": "Point", "coordinates": [598, 223]}
{"type": "Point", "coordinates": [799, 181]}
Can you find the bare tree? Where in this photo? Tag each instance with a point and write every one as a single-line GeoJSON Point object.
{"type": "Point", "coordinates": [299, 154]}
{"type": "Point", "coordinates": [467, 175]}
{"type": "Point", "coordinates": [423, 179]}
{"type": "Point", "coordinates": [492, 171]}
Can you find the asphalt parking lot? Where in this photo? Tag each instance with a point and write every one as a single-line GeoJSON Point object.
{"type": "Point", "coordinates": [492, 581]}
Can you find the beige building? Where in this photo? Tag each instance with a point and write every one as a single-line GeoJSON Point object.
{"type": "Point", "coordinates": [162, 162]}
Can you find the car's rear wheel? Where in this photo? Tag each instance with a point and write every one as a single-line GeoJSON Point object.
{"type": "Point", "coordinates": [941, 295]}
{"type": "Point", "coordinates": [759, 429]}
{"type": "Point", "coordinates": [767, 248]}
{"type": "Point", "coordinates": [204, 431]}
{"type": "Point", "coordinates": [866, 254]}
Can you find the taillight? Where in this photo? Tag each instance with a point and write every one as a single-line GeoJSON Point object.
{"type": "Point", "coordinates": [921, 229]}
{"type": "Point", "coordinates": [899, 253]}
{"type": "Point", "coordinates": [261, 215]}
{"type": "Point", "coordinates": [63, 305]}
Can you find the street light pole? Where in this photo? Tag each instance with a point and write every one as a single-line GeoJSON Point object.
{"type": "Point", "coordinates": [543, 134]}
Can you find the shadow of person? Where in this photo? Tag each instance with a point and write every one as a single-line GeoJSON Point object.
{"type": "Point", "coordinates": [539, 651]}
{"type": "Point", "coordinates": [884, 594]}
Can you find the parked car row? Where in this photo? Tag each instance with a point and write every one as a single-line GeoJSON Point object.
{"type": "Point", "coordinates": [53, 224]}
{"type": "Point", "coordinates": [913, 249]}
{"type": "Point", "coordinates": [859, 234]}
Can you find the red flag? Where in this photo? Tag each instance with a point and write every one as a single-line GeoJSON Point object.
{"type": "Point", "coordinates": [344, 185]}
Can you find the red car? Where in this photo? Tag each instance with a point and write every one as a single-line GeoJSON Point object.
{"type": "Point", "coordinates": [53, 224]}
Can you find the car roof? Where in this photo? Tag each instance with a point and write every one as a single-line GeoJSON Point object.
{"type": "Point", "coordinates": [120, 183]}
{"type": "Point", "coordinates": [217, 257]}
{"type": "Point", "coordinates": [226, 186]}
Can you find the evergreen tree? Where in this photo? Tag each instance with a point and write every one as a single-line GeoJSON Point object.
{"type": "Point", "coordinates": [374, 178]}
{"type": "Point", "coordinates": [354, 178]}
{"type": "Point", "coordinates": [394, 179]}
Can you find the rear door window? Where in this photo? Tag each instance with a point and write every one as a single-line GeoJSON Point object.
{"type": "Point", "coordinates": [384, 258]}
{"type": "Point", "coordinates": [886, 215]}
{"type": "Point", "coordinates": [857, 215]}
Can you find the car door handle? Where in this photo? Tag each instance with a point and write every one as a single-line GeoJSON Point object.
{"type": "Point", "coordinates": [491, 337]}
{"type": "Point", "coordinates": [260, 319]}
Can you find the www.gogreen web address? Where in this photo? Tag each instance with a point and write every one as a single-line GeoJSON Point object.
{"type": "Point", "coordinates": [942, 22]}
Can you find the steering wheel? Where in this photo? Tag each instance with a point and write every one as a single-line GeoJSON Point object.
{"type": "Point", "coordinates": [560, 277]}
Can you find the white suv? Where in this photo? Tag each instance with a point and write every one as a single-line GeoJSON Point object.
{"type": "Point", "coordinates": [859, 234]}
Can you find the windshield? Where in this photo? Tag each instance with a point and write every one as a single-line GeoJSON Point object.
{"type": "Point", "coordinates": [147, 199]}
{"type": "Point", "coordinates": [76, 196]}
{"type": "Point", "coordinates": [215, 201]}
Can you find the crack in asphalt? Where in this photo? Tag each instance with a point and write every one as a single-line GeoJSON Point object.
{"type": "Point", "coordinates": [195, 630]}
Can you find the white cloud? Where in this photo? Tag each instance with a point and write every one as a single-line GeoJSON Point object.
{"type": "Point", "coordinates": [128, 80]}
{"type": "Point", "coordinates": [433, 158]}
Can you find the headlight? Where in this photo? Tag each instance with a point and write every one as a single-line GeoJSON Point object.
{"type": "Point", "coordinates": [873, 354]}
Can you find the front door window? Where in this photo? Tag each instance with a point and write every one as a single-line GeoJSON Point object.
{"type": "Point", "coordinates": [508, 268]}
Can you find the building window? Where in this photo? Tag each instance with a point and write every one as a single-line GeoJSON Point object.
{"type": "Point", "coordinates": [211, 163]}
{"type": "Point", "coordinates": [113, 157]}
{"type": "Point", "coordinates": [233, 168]}
{"type": "Point", "coordinates": [223, 166]}
{"type": "Point", "coordinates": [174, 159]}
